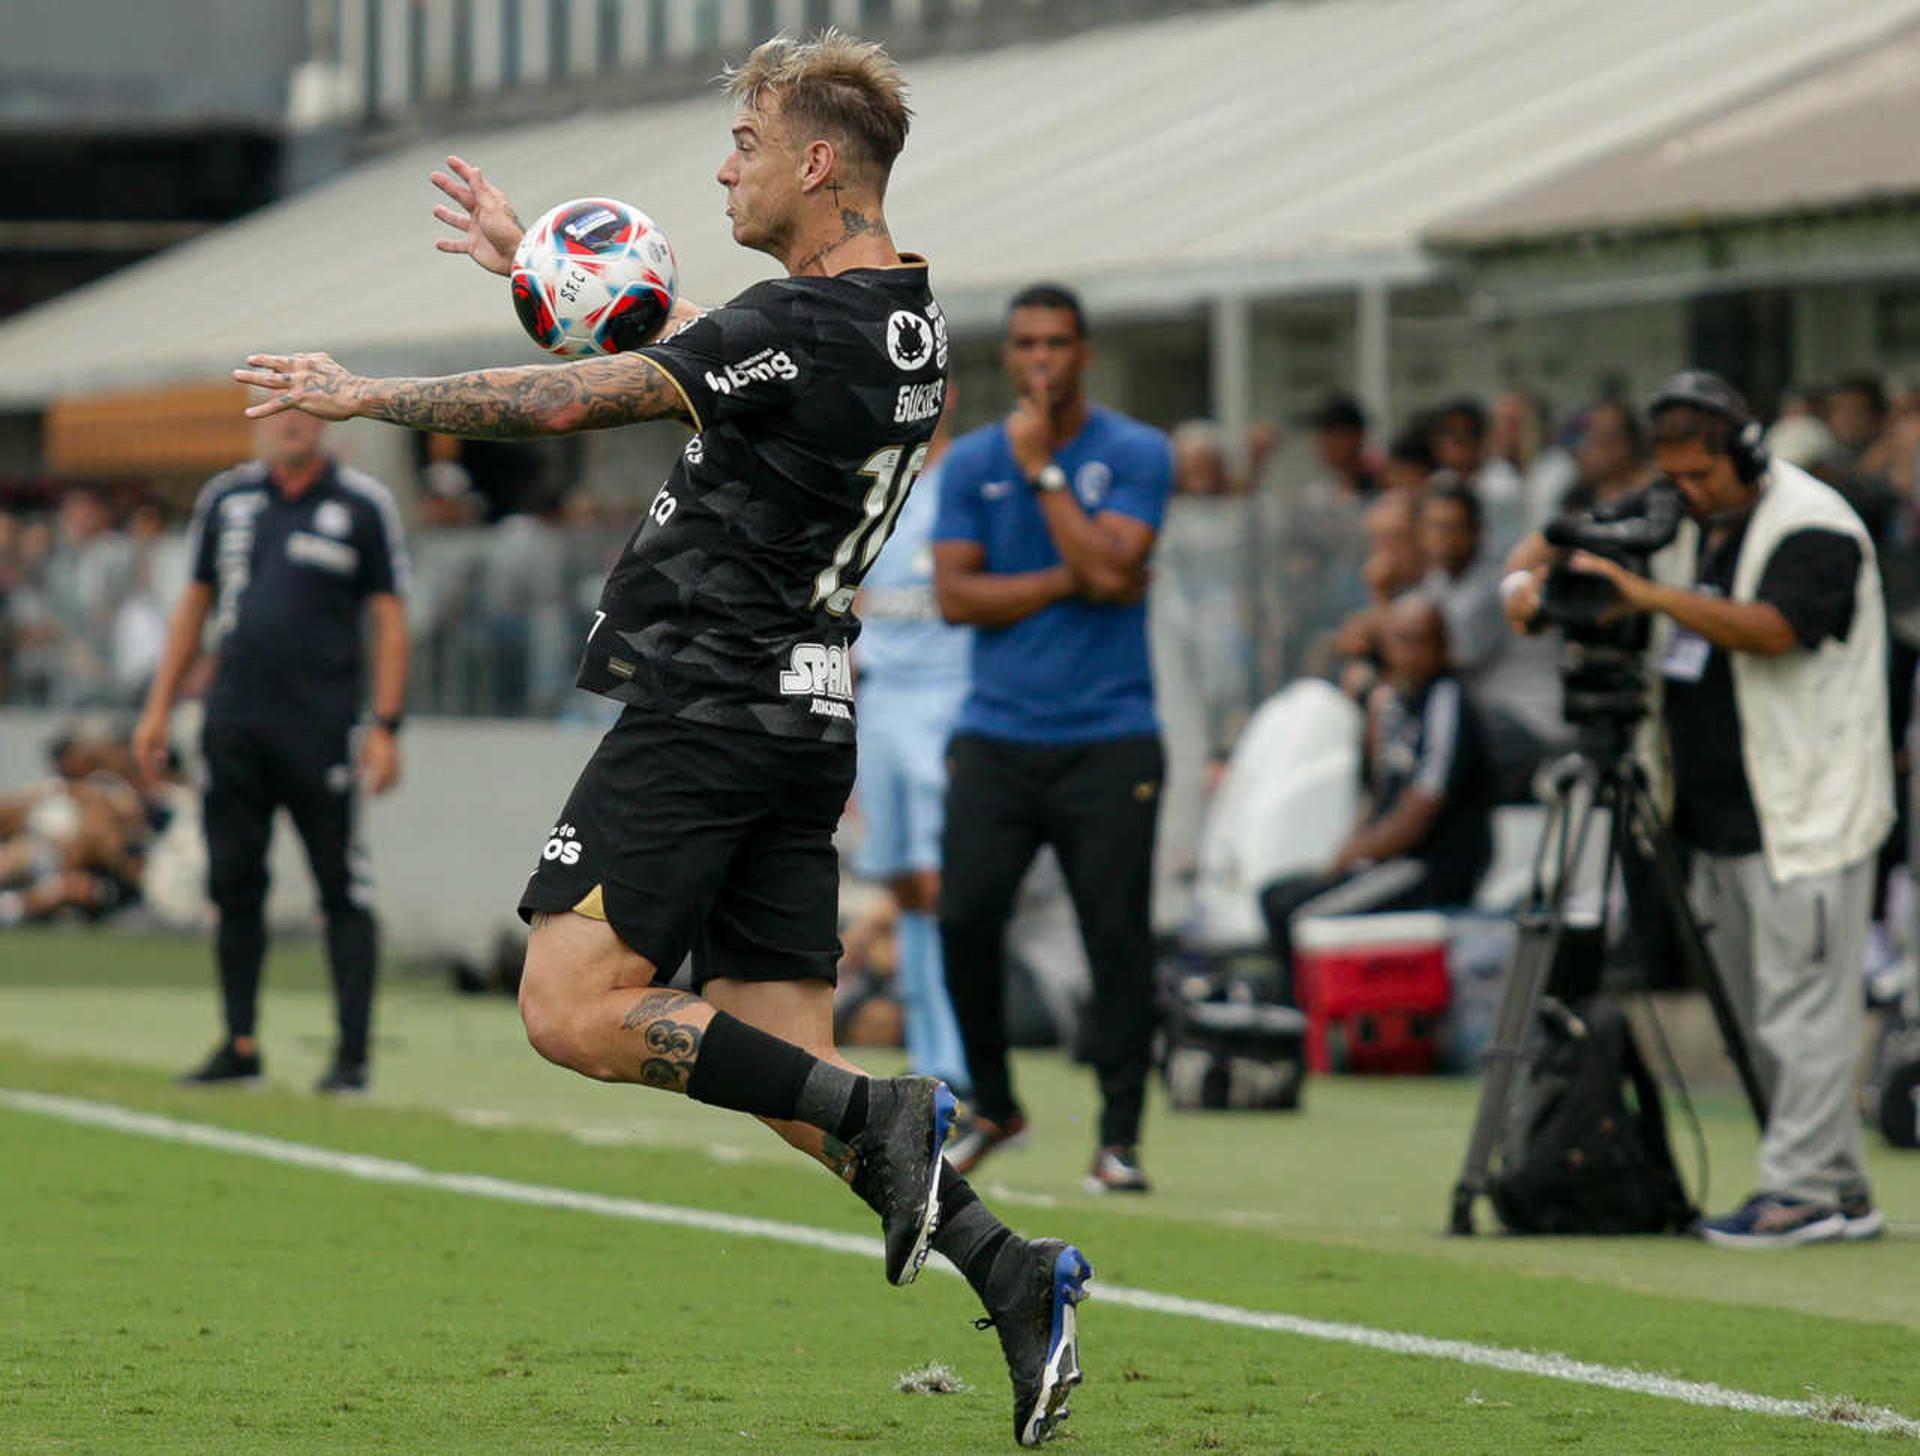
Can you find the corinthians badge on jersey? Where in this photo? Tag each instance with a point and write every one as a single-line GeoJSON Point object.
{"type": "Point", "coordinates": [909, 339]}
{"type": "Point", "coordinates": [330, 518]}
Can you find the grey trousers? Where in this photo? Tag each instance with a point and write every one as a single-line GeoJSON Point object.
{"type": "Point", "coordinates": [1791, 955]}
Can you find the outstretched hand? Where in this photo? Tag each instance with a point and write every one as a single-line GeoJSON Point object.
{"type": "Point", "coordinates": [489, 228]}
{"type": "Point", "coordinates": [310, 382]}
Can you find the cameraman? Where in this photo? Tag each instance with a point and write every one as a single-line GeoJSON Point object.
{"type": "Point", "coordinates": [1768, 641]}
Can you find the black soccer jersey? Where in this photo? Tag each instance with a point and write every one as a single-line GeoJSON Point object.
{"type": "Point", "coordinates": [291, 577]}
{"type": "Point", "coordinates": [813, 402]}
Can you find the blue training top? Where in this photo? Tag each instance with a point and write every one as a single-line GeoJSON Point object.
{"type": "Point", "coordinates": [1076, 671]}
{"type": "Point", "coordinates": [903, 641]}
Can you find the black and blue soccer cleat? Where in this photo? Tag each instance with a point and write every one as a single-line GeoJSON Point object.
{"type": "Point", "coordinates": [908, 1119]}
{"type": "Point", "coordinates": [1030, 1300]}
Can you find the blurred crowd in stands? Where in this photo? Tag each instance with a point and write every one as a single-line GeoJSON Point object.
{"type": "Point", "coordinates": [1258, 581]}
{"type": "Point", "coordinates": [1267, 581]}
{"type": "Point", "coordinates": [501, 599]}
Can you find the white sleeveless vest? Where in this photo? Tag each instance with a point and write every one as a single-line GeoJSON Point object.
{"type": "Point", "coordinates": [1813, 724]}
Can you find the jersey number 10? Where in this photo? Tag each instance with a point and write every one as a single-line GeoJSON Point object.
{"type": "Point", "coordinates": [893, 472]}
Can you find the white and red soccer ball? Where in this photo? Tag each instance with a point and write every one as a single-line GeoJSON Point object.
{"type": "Point", "coordinates": [593, 276]}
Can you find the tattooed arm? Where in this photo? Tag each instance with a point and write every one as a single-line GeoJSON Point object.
{"type": "Point", "coordinates": [492, 404]}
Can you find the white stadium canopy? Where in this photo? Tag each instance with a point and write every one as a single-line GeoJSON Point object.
{"type": "Point", "coordinates": [1839, 135]}
{"type": "Point", "coordinates": [1253, 151]}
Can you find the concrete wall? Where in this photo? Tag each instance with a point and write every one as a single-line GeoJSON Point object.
{"type": "Point", "coordinates": [451, 847]}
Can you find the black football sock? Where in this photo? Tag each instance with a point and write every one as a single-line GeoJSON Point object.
{"type": "Point", "coordinates": [743, 1068]}
{"type": "Point", "coordinates": [833, 1100]}
{"type": "Point", "coordinates": [969, 1234]}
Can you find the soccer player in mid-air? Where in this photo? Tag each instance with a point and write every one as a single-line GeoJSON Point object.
{"type": "Point", "coordinates": [703, 823]}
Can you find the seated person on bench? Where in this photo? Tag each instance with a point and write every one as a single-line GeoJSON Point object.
{"type": "Point", "coordinates": [1425, 836]}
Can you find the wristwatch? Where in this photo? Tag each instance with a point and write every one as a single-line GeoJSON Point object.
{"type": "Point", "coordinates": [389, 721]}
{"type": "Point", "coordinates": [1050, 478]}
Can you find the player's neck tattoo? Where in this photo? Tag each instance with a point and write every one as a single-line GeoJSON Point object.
{"type": "Point", "coordinates": [853, 224]}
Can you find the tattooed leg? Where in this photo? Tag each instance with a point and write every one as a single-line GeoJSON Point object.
{"type": "Point", "coordinates": [589, 1003]}
{"type": "Point", "coordinates": [669, 1025]}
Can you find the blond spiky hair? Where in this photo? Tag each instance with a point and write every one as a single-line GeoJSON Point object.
{"type": "Point", "coordinates": [834, 85]}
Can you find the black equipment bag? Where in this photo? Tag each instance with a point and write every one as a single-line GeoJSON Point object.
{"type": "Point", "coordinates": [1238, 1054]}
{"type": "Point", "coordinates": [1587, 1150]}
{"type": "Point", "coordinates": [1892, 1095]}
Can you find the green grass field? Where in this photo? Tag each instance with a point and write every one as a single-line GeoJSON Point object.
{"type": "Point", "coordinates": [157, 1296]}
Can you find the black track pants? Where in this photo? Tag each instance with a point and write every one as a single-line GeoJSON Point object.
{"type": "Point", "coordinates": [253, 770]}
{"type": "Point", "coordinates": [1095, 804]}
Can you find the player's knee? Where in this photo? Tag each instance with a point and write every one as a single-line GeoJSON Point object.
{"type": "Point", "coordinates": [554, 1025]}
{"type": "Point", "coordinates": [544, 1015]}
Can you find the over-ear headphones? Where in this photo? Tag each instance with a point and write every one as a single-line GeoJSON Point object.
{"type": "Point", "coordinates": [1704, 390]}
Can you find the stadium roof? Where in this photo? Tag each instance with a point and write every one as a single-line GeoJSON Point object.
{"type": "Point", "coordinates": [1263, 149]}
{"type": "Point", "coordinates": [1843, 135]}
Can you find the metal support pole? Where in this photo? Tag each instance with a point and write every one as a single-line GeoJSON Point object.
{"type": "Point", "coordinates": [1230, 359]}
{"type": "Point", "coordinates": [1373, 350]}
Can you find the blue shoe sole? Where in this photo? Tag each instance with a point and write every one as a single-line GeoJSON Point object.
{"type": "Point", "coordinates": [1817, 1231]}
{"type": "Point", "coordinates": [1071, 1271]}
{"type": "Point", "coordinates": [946, 1107]}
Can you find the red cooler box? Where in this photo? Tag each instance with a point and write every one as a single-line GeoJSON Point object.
{"type": "Point", "coordinates": [1378, 982]}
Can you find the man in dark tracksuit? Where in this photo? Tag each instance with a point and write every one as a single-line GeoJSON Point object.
{"type": "Point", "coordinates": [286, 552]}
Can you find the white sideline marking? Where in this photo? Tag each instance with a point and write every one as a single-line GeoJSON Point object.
{"type": "Point", "coordinates": [1877, 1419]}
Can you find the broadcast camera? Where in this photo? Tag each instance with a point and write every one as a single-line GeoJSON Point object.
{"type": "Point", "coordinates": [1600, 668]}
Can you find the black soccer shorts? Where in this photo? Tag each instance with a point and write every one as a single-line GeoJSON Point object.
{"type": "Point", "coordinates": [714, 842]}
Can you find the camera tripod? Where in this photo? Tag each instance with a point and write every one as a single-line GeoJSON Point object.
{"type": "Point", "coordinates": [1615, 782]}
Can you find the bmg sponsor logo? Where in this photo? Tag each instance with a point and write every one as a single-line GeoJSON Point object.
{"type": "Point", "coordinates": [762, 368]}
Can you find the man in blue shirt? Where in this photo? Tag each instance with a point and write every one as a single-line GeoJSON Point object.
{"type": "Point", "coordinates": [913, 679]}
{"type": "Point", "coordinates": [1046, 523]}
